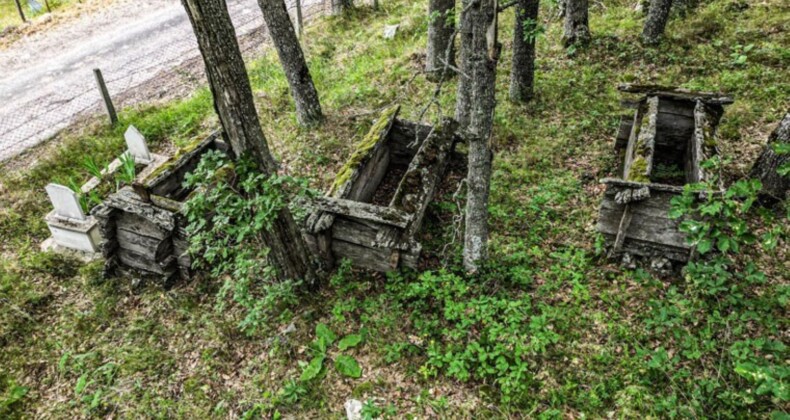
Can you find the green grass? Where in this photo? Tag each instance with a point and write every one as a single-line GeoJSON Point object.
{"type": "Point", "coordinates": [549, 329]}
{"type": "Point", "coordinates": [9, 15]}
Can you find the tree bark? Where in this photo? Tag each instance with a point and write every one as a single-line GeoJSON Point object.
{"type": "Point", "coordinates": [340, 6]}
{"type": "Point", "coordinates": [485, 53]}
{"type": "Point", "coordinates": [766, 167]}
{"type": "Point", "coordinates": [440, 32]}
{"type": "Point", "coordinates": [577, 26]}
{"type": "Point", "coordinates": [522, 74]}
{"type": "Point", "coordinates": [463, 95]}
{"type": "Point", "coordinates": [278, 22]}
{"type": "Point", "coordinates": [656, 21]}
{"type": "Point", "coordinates": [233, 102]}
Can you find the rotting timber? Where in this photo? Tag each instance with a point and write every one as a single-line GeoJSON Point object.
{"type": "Point", "coordinates": [143, 225]}
{"type": "Point", "coordinates": [661, 147]}
{"type": "Point", "coordinates": [359, 219]}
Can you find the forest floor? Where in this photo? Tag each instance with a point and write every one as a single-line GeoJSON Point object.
{"type": "Point", "coordinates": [549, 329]}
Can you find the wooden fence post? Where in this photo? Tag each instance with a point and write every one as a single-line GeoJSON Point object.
{"type": "Point", "coordinates": [21, 13]}
{"type": "Point", "coordinates": [106, 97]}
{"type": "Point", "coordinates": [299, 21]}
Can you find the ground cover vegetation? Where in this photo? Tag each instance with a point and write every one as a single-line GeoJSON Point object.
{"type": "Point", "coordinates": [548, 328]}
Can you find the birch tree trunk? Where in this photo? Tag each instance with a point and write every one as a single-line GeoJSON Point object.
{"type": "Point", "coordinates": [463, 96]}
{"type": "Point", "coordinates": [766, 167]}
{"type": "Point", "coordinates": [656, 21]}
{"type": "Point", "coordinates": [522, 73]}
{"type": "Point", "coordinates": [308, 107]}
{"type": "Point", "coordinates": [440, 31]}
{"type": "Point", "coordinates": [577, 26]}
{"type": "Point", "coordinates": [233, 102]}
{"type": "Point", "coordinates": [485, 53]}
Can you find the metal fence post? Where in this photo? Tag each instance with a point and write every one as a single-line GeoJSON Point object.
{"type": "Point", "coordinates": [106, 97]}
{"type": "Point", "coordinates": [21, 13]}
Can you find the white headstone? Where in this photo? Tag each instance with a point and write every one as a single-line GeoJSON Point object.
{"type": "Point", "coordinates": [353, 409]}
{"type": "Point", "coordinates": [390, 31]}
{"type": "Point", "coordinates": [65, 202]}
{"type": "Point", "coordinates": [135, 142]}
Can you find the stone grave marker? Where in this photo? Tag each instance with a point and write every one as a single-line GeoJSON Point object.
{"type": "Point", "coordinates": [65, 202]}
{"type": "Point", "coordinates": [135, 142]}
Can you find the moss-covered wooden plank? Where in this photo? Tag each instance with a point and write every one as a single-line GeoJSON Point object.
{"type": "Point", "coordinates": [675, 92]}
{"type": "Point", "coordinates": [365, 211]}
{"type": "Point", "coordinates": [704, 144]}
{"type": "Point", "coordinates": [418, 185]}
{"type": "Point", "coordinates": [641, 146]}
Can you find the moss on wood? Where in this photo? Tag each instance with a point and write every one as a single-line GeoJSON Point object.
{"type": "Point", "coordinates": [362, 151]}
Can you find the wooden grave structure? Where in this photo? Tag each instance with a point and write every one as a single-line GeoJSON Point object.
{"type": "Point", "coordinates": [661, 147]}
{"type": "Point", "coordinates": [377, 204]}
{"type": "Point", "coordinates": [143, 225]}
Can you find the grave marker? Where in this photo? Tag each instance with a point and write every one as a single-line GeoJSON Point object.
{"type": "Point", "coordinates": [65, 202]}
{"type": "Point", "coordinates": [135, 142]}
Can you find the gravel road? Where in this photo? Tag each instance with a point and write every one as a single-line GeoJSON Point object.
{"type": "Point", "coordinates": [47, 82]}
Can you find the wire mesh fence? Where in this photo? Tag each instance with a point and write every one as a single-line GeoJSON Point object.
{"type": "Point", "coordinates": [32, 110]}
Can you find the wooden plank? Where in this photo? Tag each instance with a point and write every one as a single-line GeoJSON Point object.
{"type": "Point", "coordinates": [622, 230]}
{"type": "Point", "coordinates": [419, 184]}
{"type": "Point", "coordinates": [379, 259]}
{"type": "Point", "coordinates": [366, 211]}
{"type": "Point", "coordinates": [370, 235]}
{"type": "Point", "coordinates": [704, 144]}
{"type": "Point", "coordinates": [128, 202]}
{"type": "Point", "coordinates": [648, 229]}
{"type": "Point", "coordinates": [624, 131]}
{"type": "Point", "coordinates": [676, 93]}
{"type": "Point", "coordinates": [157, 250]}
{"type": "Point", "coordinates": [651, 249]}
{"type": "Point", "coordinates": [171, 175]}
{"type": "Point", "coordinates": [616, 182]}
{"type": "Point", "coordinates": [642, 144]}
{"type": "Point", "coordinates": [676, 107]}
{"type": "Point", "coordinates": [370, 177]}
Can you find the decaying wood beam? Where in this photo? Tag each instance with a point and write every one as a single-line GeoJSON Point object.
{"type": "Point", "coordinates": [704, 144]}
{"type": "Point", "coordinates": [675, 92]}
{"type": "Point", "coordinates": [624, 131]}
{"type": "Point", "coordinates": [622, 230]}
{"type": "Point", "coordinates": [419, 184]}
{"type": "Point", "coordinates": [386, 215]}
{"type": "Point", "coordinates": [642, 143]}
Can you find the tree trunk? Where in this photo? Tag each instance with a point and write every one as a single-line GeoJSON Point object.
{"type": "Point", "coordinates": [656, 21]}
{"type": "Point", "coordinates": [340, 6]}
{"type": "Point", "coordinates": [308, 107]}
{"type": "Point", "coordinates": [233, 102]}
{"type": "Point", "coordinates": [463, 95]}
{"type": "Point", "coordinates": [767, 165]}
{"type": "Point", "coordinates": [440, 32]}
{"type": "Point", "coordinates": [485, 53]}
{"type": "Point", "coordinates": [522, 74]}
{"type": "Point", "coordinates": [577, 27]}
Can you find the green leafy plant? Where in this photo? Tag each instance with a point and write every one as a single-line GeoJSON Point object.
{"type": "Point", "coordinates": [739, 54]}
{"type": "Point", "coordinates": [344, 364]}
{"type": "Point", "coordinates": [227, 220]}
{"type": "Point", "coordinates": [127, 171]}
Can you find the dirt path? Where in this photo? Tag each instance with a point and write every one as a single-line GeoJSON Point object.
{"type": "Point", "coordinates": [46, 80]}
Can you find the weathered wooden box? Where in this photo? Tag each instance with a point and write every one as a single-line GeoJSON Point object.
{"type": "Point", "coordinates": [377, 203]}
{"type": "Point", "coordinates": [143, 225]}
{"type": "Point", "coordinates": [662, 148]}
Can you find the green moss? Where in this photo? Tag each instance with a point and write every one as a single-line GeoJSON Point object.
{"type": "Point", "coordinates": [638, 170]}
{"type": "Point", "coordinates": [361, 152]}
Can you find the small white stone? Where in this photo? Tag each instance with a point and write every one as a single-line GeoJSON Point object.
{"type": "Point", "coordinates": [135, 142]}
{"type": "Point", "coordinates": [353, 409]}
{"type": "Point", "coordinates": [390, 31]}
{"type": "Point", "coordinates": [65, 202]}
